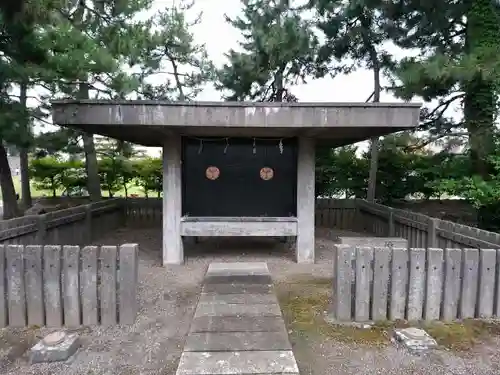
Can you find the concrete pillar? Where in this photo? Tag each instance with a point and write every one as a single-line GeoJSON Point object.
{"type": "Point", "coordinates": [173, 252]}
{"type": "Point", "coordinates": [305, 200]}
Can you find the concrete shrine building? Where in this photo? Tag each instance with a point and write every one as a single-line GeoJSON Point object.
{"type": "Point", "coordinates": [237, 168]}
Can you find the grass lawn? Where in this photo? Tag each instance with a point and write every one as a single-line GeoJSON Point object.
{"type": "Point", "coordinates": [40, 193]}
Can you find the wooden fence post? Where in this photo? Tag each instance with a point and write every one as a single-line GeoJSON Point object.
{"type": "Point", "coordinates": [391, 230]}
{"type": "Point", "coordinates": [358, 220]}
{"type": "Point", "coordinates": [88, 223]}
{"type": "Point", "coordinates": [124, 210]}
{"type": "Point", "coordinates": [432, 233]}
{"type": "Point", "coordinates": [41, 229]}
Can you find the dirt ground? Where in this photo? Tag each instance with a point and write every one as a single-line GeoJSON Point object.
{"type": "Point", "coordinates": [169, 295]}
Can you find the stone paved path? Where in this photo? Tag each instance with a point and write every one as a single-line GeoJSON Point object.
{"type": "Point", "coordinates": [237, 327]}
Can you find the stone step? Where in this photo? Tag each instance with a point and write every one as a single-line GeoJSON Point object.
{"type": "Point", "coordinates": [252, 299]}
{"type": "Point", "coordinates": [237, 269]}
{"type": "Point", "coordinates": [237, 326]}
{"type": "Point", "coordinates": [237, 341]}
{"type": "Point", "coordinates": [236, 362]}
{"type": "Point", "coordinates": [218, 309]}
{"type": "Point", "coordinates": [237, 289]}
{"type": "Point", "coordinates": [238, 279]}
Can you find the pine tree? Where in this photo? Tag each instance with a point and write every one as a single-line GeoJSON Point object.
{"type": "Point", "coordinates": [460, 43]}
{"type": "Point", "coordinates": [354, 34]}
{"type": "Point", "coordinates": [277, 51]}
{"type": "Point", "coordinates": [173, 52]}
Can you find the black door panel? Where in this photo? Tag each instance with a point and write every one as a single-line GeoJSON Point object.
{"type": "Point", "coordinates": [239, 190]}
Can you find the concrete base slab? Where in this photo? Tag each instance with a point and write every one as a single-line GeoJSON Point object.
{"type": "Point", "coordinates": [237, 324]}
{"type": "Point", "coordinates": [237, 268]}
{"type": "Point", "coordinates": [239, 279]}
{"type": "Point", "coordinates": [62, 350]}
{"type": "Point", "coordinates": [227, 363]}
{"type": "Point", "coordinates": [414, 339]}
{"type": "Point", "coordinates": [238, 288]}
{"type": "Point", "coordinates": [252, 299]}
{"type": "Point", "coordinates": [211, 309]}
{"type": "Point", "coordinates": [237, 341]}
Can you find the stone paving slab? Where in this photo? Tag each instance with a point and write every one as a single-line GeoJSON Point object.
{"type": "Point", "coordinates": [238, 288]}
{"type": "Point", "coordinates": [247, 363]}
{"type": "Point", "coordinates": [237, 268]}
{"type": "Point", "coordinates": [252, 299]}
{"type": "Point", "coordinates": [237, 341]}
{"type": "Point", "coordinates": [237, 327]}
{"type": "Point", "coordinates": [237, 324]}
{"type": "Point", "coordinates": [238, 279]}
{"type": "Point", "coordinates": [211, 309]}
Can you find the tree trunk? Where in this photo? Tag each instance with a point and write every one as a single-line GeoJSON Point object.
{"type": "Point", "coordinates": [23, 153]}
{"type": "Point", "coordinates": [10, 207]}
{"type": "Point", "coordinates": [482, 33]}
{"type": "Point", "coordinates": [91, 166]}
{"type": "Point", "coordinates": [372, 177]}
{"type": "Point", "coordinates": [25, 178]}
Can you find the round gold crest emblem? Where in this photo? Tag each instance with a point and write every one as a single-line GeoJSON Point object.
{"type": "Point", "coordinates": [212, 173]}
{"type": "Point", "coordinates": [266, 173]}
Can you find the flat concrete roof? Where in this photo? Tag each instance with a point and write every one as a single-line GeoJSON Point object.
{"type": "Point", "coordinates": [148, 122]}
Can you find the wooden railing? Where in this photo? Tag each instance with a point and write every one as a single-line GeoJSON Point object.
{"type": "Point", "coordinates": [78, 225]}
{"type": "Point", "coordinates": [421, 231]}
{"type": "Point", "coordinates": [72, 226]}
{"type": "Point", "coordinates": [336, 213]}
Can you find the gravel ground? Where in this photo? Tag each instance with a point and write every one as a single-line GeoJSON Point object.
{"type": "Point", "coordinates": [168, 297]}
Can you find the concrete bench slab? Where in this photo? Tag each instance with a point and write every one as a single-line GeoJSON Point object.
{"type": "Point", "coordinates": [226, 363]}
{"type": "Point", "coordinates": [237, 341]}
{"type": "Point", "coordinates": [237, 324]}
{"type": "Point", "coordinates": [210, 309]}
{"type": "Point", "coordinates": [252, 299]}
{"type": "Point", "coordinates": [238, 288]}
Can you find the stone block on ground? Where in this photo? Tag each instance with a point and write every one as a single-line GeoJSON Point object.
{"type": "Point", "coordinates": [414, 339]}
{"type": "Point", "coordinates": [248, 363]}
{"type": "Point", "coordinates": [55, 347]}
{"type": "Point", "coordinates": [237, 324]}
{"type": "Point", "coordinates": [237, 341]}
